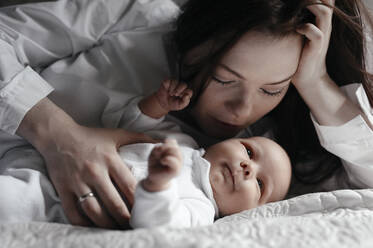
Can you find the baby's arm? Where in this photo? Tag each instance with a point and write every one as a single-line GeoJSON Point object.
{"type": "Point", "coordinates": [171, 96]}
{"type": "Point", "coordinates": [165, 162]}
{"type": "Point", "coordinates": [157, 200]}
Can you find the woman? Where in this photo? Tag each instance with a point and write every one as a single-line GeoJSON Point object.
{"type": "Point", "coordinates": [81, 159]}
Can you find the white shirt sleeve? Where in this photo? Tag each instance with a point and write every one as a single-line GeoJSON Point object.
{"type": "Point", "coordinates": [166, 208]}
{"type": "Point", "coordinates": [34, 36]}
{"type": "Point", "coordinates": [132, 119]}
{"type": "Point", "coordinates": [352, 141]}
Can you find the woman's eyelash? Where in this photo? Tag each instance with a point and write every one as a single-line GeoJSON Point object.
{"type": "Point", "coordinates": [276, 93]}
{"type": "Point", "coordinates": [221, 81]}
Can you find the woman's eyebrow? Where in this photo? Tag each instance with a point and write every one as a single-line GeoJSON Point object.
{"type": "Point", "coordinates": [227, 68]}
{"type": "Point", "coordinates": [231, 70]}
{"type": "Point", "coordinates": [282, 81]}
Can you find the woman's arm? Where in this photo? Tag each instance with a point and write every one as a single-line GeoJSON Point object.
{"type": "Point", "coordinates": [352, 141]}
{"type": "Point", "coordinates": [343, 123]}
{"type": "Point", "coordinates": [81, 160]}
{"type": "Point", "coordinates": [35, 35]}
{"type": "Point", "coordinates": [327, 103]}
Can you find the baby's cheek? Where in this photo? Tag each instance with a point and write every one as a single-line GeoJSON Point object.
{"type": "Point", "coordinates": [216, 179]}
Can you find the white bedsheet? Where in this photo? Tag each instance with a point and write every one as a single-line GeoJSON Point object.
{"type": "Point", "coordinates": [342, 218]}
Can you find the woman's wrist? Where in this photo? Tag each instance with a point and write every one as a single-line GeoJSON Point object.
{"type": "Point", "coordinates": [328, 104]}
{"type": "Point", "coordinates": [42, 122]}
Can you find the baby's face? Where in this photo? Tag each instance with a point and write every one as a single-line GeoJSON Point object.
{"type": "Point", "coordinates": [246, 173]}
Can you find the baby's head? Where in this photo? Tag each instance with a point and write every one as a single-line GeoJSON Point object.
{"type": "Point", "coordinates": [246, 173]}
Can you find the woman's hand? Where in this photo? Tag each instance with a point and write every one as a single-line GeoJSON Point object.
{"type": "Point", "coordinates": [312, 65]}
{"type": "Point", "coordinates": [81, 160]}
{"type": "Point", "coordinates": [326, 101]}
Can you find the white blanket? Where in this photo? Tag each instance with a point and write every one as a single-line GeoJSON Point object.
{"type": "Point", "coordinates": [342, 218]}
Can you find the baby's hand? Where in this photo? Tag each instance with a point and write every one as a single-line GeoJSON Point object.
{"type": "Point", "coordinates": [173, 95]}
{"type": "Point", "coordinates": [165, 162]}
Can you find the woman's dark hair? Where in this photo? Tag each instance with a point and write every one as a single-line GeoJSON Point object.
{"type": "Point", "coordinates": [216, 25]}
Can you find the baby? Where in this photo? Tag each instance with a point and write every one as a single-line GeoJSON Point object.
{"type": "Point", "coordinates": [183, 186]}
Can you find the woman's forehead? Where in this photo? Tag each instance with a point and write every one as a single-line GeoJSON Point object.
{"type": "Point", "coordinates": [263, 56]}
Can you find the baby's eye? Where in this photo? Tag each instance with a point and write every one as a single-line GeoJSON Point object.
{"type": "Point", "coordinates": [249, 152]}
{"type": "Point", "coordinates": [260, 183]}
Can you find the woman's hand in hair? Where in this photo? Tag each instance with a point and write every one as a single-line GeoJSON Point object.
{"type": "Point", "coordinates": [312, 64]}
{"type": "Point", "coordinates": [328, 104]}
{"type": "Point", "coordinates": [81, 160]}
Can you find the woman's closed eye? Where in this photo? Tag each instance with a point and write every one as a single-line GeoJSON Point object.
{"type": "Point", "coordinates": [273, 93]}
{"type": "Point", "coordinates": [223, 82]}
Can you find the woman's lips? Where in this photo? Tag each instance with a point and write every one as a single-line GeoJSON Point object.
{"type": "Point", "coordinates": [227, 125]}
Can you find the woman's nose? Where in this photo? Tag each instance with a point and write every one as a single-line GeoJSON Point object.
{"type": "Point", "coordinates": [248, 170]}
{"type": "Point", "coordinates": [240, 107]}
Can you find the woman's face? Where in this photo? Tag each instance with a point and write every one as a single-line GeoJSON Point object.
{"type": "Point", "coordinates": [249, 81]}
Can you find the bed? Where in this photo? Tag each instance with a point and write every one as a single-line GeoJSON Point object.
{"type": "Point", "coordinates": [341, 218]}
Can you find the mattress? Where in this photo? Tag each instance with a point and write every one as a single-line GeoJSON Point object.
{"type": "Point", "coordinates": [341, 218]}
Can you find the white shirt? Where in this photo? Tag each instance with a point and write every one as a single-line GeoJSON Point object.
{"type": "Point", "coordinates": [119, 47]}
{"type": "Point", "coordinates": [189, 200]}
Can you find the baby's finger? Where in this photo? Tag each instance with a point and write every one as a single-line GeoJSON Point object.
{"type": "Point", "coordinates": [172, 148]}
{"type": "Point", "coordinates": [188, 93]}
{"type": "Point", "coordinates": [166, 84]}
{"type": "Point", "coordinates": [170, 142]}
{"type": "Point", "coordinates": [156, 152]}
{"type": "Point", "coordinates": [180, 89]}
{"type": "Point", "coordinates": [169, 161]}
{"type": "Point", "coordinates": [173, 86]}
{"type": "Point", "coordinates": [184, 101]}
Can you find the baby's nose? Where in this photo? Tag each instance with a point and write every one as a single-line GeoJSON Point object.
{"type": "Point", "coordinates": [247, 170]}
